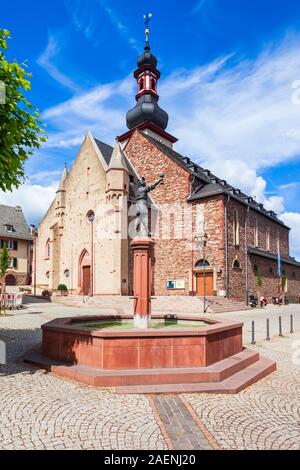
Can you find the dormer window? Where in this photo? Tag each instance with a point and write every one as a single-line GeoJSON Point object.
{"type": "Point", "coordinates": [9, 228]}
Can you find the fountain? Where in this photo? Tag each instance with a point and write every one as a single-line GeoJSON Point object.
{"type": "Point", "coordinates": [149, 354]}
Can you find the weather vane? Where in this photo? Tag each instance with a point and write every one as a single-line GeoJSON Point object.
{"type": "Point", "coordinates": [147, 18]}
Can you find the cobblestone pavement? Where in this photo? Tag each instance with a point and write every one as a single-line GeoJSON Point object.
{"type": "Point", "coordinates": [38, 410]}
{"type": "Point", "coordinates": [265, 416]}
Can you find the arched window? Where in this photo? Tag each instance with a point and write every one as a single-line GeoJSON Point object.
{"type": "Point", "coordinates": [236, 264]}
{"type": "Point", "coordinates": [202, 263]}
{"type": "Point", "coordinates": [141, 84]}
{"type": "Point", "coordinates": [67, 273]}
{"type": "Point", "coordinates": [90, 216]}
{"type": "Point", "coordinates": [48, 249]}
{"type": "Point", "coordinates": [236, 228]}
{"type": "Point", "coordinates": [153, 84]}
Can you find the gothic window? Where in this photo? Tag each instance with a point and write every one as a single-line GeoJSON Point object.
{"type": "Point", "coordinates": [236, 264]}
{"type": "Point", "coordinates": [236, 229]}
{"type": "Point", "coordinates": [256, 233]}
{"type": "Point", "coordinates": [48, 249]}
{"type": "Point", "coordinates": [202, 263]}
{"type": "Point", "coordinates": [268, 238]}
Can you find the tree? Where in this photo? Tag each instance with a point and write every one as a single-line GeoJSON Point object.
{"type": "Point", "coordinates": [5, 260]}
{"type": "Point", "coordinates": [21, 131]}
{"type": "Point", "coordinates": [259, 280]}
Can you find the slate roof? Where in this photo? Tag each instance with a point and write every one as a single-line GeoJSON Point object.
{"type": "Point", "coordinates": [14, 216]}
{"type": "Point", "coordinates": [106, 150]}
{"type": "Point", "coordinates": [266, 254]}
{"type": "Point", "coordinates": [209, 184]}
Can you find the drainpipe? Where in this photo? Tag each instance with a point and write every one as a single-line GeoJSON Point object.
{"type": "Point", "coordinates": [226, 246]}
{"type": "Point", "coordinates": [246, 255]}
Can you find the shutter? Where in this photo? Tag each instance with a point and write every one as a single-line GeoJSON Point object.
{"type": "Point", "coordinates": [15, 246]}
{"type": "Point", "coordinates": [15, 263]}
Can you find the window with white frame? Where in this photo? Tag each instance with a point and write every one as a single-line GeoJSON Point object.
{"type": "Point", "coordinates": [268, 239]}
{"type": "Point", "coordinates": [236, 228]}
{"type": "Point", "coordinates": [256, 233]}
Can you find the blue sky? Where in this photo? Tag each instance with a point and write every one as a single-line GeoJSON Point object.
{"type": "Point", "coordinates": [230, 82]}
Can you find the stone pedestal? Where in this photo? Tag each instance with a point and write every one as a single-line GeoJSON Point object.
{"type": "Point", "coordinates": [142, 281]}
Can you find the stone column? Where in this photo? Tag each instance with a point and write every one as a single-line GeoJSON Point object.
{"type": "Point", "coordinates": [142, 281]}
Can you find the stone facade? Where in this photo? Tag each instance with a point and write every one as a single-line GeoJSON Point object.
{"type": "Point", "coordinates": [231, 228]}
{"type": "Point", "coordinates": [68, 243]}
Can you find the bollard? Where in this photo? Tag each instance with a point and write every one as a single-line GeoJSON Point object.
{"type": "Point", "coordinates": [253, 333]}
{"type": "Point", "coordinates": [268, 330]}
{"type": "Point", "coordinates": [280, 326]}
{"type": "Point", "coordinates": [292, 324]}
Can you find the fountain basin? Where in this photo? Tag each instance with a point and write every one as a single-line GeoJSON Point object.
{"type": "Point", "coordinates": [77, 341]}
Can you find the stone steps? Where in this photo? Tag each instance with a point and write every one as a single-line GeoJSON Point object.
{"type": "Point", "coordinates": [160, 305]}
{"type": "Point", "coordinates": [228, 376]}
{"type": "Point", "coordinates": [231, 385]}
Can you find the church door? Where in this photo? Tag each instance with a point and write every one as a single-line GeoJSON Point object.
{"type": "Point", "coordinates": [86, 280]}
{"type": "Point", "coordinates": [209, 284]}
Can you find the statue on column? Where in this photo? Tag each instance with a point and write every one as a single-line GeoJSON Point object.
{"type": "Point", "coordinates": [142, 225]}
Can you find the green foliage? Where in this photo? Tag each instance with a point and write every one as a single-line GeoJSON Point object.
{"type": "Point", "coordinates": [62, 288]}
{"type": "Point", "coordinates": [259, 278]}
{"type": "Point", "coordinates": [21, 131]}
{"type": "Point", "coordinates": [5, 259]}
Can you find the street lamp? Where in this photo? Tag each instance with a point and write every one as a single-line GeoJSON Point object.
{"type": "Point", "coordinates": [202, 243]}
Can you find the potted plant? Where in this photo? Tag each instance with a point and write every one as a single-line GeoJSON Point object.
{"type": "Point", "coordinates": [63, 290]}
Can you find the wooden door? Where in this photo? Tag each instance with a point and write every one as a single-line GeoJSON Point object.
{"type": "Point", "coordinates": [86, 280]}
{"type": "Point", "coordinates": [209, 284]}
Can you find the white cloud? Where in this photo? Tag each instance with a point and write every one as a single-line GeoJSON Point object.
{"type": "Point", "coordinates": [33, 198]}
{"type": "Point", "coordinates": [235, 117]}
{"type": "Point", "coordinates": [46, 61]}
{"type": "Point", "coordinates": [292, 220]}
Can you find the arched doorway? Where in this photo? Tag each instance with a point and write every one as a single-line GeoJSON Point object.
{"type": "Point", "coordinates": [84, 273]}
{"type": "Point", "coordinates": [205, 278]}
{"type": "Point", "coordinates": [10, 280]}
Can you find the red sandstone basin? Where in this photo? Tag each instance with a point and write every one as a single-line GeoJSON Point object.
{"type": "Point", "coordinates": [66, 341]}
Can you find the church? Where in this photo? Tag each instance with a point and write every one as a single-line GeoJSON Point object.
{"type": "Point", "coordinates": [211, 239]}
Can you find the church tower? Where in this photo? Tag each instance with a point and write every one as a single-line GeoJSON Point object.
{"type": "Point", "coordinates": [147, 115]}
{"type": "Point", "coordinates": [117, 192]}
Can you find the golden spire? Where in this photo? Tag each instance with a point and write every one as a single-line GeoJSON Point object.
{"type": "Point", "coordinates": [147, 18]}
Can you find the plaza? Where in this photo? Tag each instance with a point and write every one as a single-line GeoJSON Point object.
{"type": "Point", "coordinates": [41, 411]}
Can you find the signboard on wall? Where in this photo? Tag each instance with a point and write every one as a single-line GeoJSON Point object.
{"type": "Point", "coordinates": [178, 284]}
